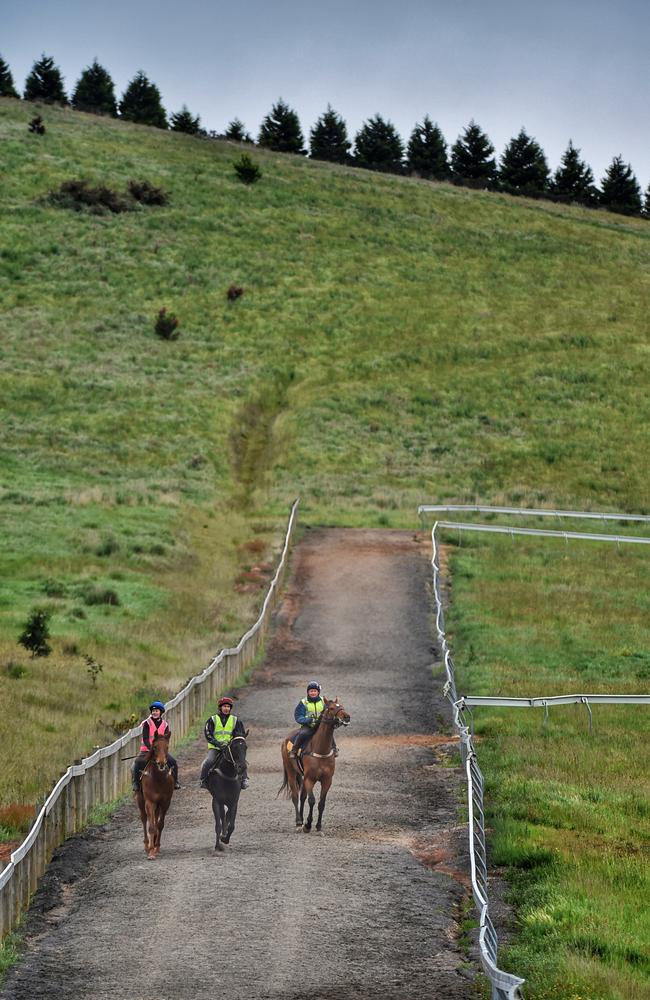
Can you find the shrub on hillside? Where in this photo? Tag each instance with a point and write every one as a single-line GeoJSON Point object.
{"type": "Point", "coordinates": [36, 632]}
{"type": "Point", "coordinates": [15, 670]}
{"type": "Point", "coordinates": [234, 292]}
{"type": "Point", "coordinates": [93, 594]}
{"type": "Point", "coordinates": [166, 326]}
{"type": "Point", "coordinates": [79, 195]}
{"type": "Point", "coordinates": [247, 171]}
{"type": "Point", "coordinates": [147, 194]}
{"type": "Point", "coordinates": [36, 125]}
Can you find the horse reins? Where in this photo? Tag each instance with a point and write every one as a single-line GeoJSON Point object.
{"type": "Point", "coordinates": [216, 769]}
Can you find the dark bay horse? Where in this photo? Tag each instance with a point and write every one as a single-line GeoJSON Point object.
{"type": "Point", "coordinates": [155, 795]}
{"type": "Point", "coordinates": [224, 784]}
{"type": "Point", "coordinates": [318, 762]}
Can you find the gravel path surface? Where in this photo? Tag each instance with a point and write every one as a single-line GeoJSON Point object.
{"type": "Point", "coordinates": [371, 909]}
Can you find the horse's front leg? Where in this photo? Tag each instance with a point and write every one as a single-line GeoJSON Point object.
{"type": "Point", "coordinates": [216, 809]}
{"type": "Point", "coordinates": [160, 826]}
{"type": "Point", "coordinates": [325, 785]}
{"type": "Point", "coordinates": [139, 797]}
{"type": "Point", "coordinates": [152, 827]}
{"type": "Point", "coordinates": [308, 792]}
{"type": "Point", "coordinates": [230, 824]}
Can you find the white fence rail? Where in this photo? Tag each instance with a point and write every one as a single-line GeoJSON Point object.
{"type": "Point", "coordinates": [106, 774]}
{"type": "Point", "coordinates": [505, 986]}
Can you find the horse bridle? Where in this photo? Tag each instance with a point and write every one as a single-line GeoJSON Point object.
{"type": "Point", "coordinates": [238, 772]}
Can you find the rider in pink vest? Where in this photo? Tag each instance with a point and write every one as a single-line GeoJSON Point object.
{"type": "Point", "coordinates": [155, 725]}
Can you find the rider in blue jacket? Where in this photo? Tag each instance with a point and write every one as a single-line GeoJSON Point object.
{"type": "Point", "coordinates": [307, 714]}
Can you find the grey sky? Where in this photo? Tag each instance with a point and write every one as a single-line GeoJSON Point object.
{"type": "Point", "coordinates": [564, 69]}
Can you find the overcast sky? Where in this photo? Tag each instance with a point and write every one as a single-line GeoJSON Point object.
{"type": "Point", "coordinates": [564, 69]}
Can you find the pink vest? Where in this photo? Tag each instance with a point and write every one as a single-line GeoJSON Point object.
{"type": "Point", "coordinates": [159, 729]}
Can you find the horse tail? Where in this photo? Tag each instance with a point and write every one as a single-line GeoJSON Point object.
{"type": "Point", "coordinates": [285, 787]}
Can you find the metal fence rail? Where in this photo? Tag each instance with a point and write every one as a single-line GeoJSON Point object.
{"type": "Point", "coordinates": [106, 773]}
{"type": "Point", "coordinates": [430, 508]}
{"type": "Point", "coordinates": [504, 529]}
{"type": "Point", "coordinates": [504, 985]}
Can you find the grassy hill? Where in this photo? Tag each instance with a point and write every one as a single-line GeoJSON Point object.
{"type": "Point", "coordinates": [397, 341]}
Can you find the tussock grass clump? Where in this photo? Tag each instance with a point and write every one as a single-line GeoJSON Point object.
{"type": "Point", "coordinates": [15, 670]}
{"type": "Point", "coordinates": [94, 594]}
{"type": "Point", "coordinates": [234, 292]}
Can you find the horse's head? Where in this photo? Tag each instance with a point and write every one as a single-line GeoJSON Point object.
{"type": "Point", "coordinates": [236, 751]}
{"type": "Point", "coordinates": [335, 713]}
{"type": "Point", "coordinates": [159, 751]}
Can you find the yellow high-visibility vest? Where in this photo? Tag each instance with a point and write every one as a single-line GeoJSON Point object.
{"type": "Point", "coordinates": [315, 709]}
{"type": "Point", "coordinates": [223, 731]}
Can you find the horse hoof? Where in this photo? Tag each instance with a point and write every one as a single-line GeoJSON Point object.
{"type": "Point", "coordinates": [225, 840]}
{"type": "Point", "coordinates": [151, 857]}
{"type": "Point", "coordinates": [306, 829]}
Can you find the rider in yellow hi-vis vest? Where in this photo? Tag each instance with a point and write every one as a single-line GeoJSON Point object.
{"type": "Point", "coordinates": [307, 714]}
{"type": "Point", "coordinates": [219, 730]}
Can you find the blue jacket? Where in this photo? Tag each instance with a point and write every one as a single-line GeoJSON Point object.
{"type": "Point", "coordinates": [301, 715]}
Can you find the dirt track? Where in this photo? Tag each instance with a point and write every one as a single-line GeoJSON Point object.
{"type": "Point", "coordinates": [369, 910]}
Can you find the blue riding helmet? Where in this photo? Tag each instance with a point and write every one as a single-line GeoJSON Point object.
{"type": "Point", "coordinates": [313, 684]}
{"type": "Point", "coordinates": [156, 704]}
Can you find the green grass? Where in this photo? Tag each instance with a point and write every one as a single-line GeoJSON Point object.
{"type": "Point", "coordinates": [397, 341]}
{"type": "Point", "coordinates": [567, 809]}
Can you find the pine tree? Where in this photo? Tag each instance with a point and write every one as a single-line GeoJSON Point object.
{"type": "Point", "coordinates": [378, 146]}
{"type": "Point", "coordinates": [328, 139]}
{"type": "Point", "coordinates": [236, 132]}
{"type": "Point", "coordinates": [646, 203]}
{"type": "Point", "coordinates": [620, 191]}
{"type": "Point", "coordinates": [472, 158]}
{"type": "Point", "coordinates": [523, 168]}
{"type": "Point", "coordinates": [45, 82]}
{"type": "Point", "coordinates": [281, 132]}
{"type": "Point", "coordinates": [141, 103]}
{"type": "Point", "coordinates": [7, 88]}
{"type": "Point", "coordinates": [426, 155]}
{"type": "Point", "coordinates": [184, 121]}
{"type": "Point", "coordinates": [573, 180]}
{"type": "Point", "coordinates": [95, 91]}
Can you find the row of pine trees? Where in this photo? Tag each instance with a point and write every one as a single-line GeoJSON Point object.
{"type": "Point", "coordinates": [522, 169]}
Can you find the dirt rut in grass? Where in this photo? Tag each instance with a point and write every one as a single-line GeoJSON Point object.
{"type": "Point", "coordinates": [370, 909]}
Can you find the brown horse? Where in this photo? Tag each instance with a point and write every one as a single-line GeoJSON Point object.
{"type": "Point", "coordinates": [155, 795]}
{"type": "Point", "coordinates": [318, 763]}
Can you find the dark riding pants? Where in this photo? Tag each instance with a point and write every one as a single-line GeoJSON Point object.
{"type": "Point", "coordinates": [139, 765]}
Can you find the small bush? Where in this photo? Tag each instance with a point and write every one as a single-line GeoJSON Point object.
{"type": "Point", "coordinates": [93, 594]}
{"type": "Point", "coordinates": [107, 546]}
{"type": "Point", "coordinates": [147, 194]}
{"type": "Point", "coordinates": [54, 588]}
{"type": "Point", "coordinates": [36, 632]}
{"type": "Point", "coordinates": [79, 195]}
{"type": "Point", "coordinates": [247, 171]}
{"type": "Point", "coordinates": [71, 649]}
{"type": "Point", "coordinates": [36, 125]}
{"type": "Point", "coordinates": [93, 667]}
{"type": "Point", "coordinates": [166, 326]}
{"type": "Point", "coordinates": [234, 292]}
{"type": "Point", "coordinates": [76, 613]}
{"type": "Point", "coordinates": [15, 670]}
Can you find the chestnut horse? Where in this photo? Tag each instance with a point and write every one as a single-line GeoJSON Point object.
{"type": "Point", "coordinates": [318, 763]}
{"type": "Point", "coordinates": [155, 795]}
